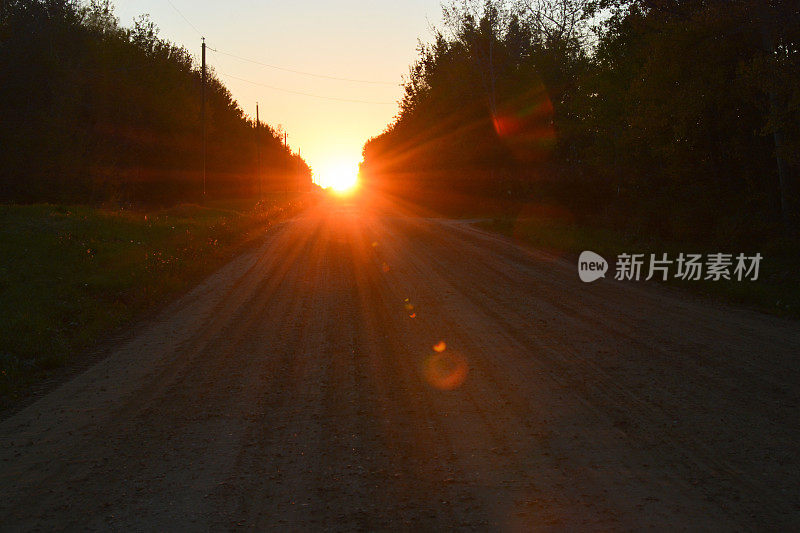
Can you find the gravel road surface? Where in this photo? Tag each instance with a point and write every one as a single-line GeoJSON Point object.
{"type": "Point", "coordinates": [370, 369]}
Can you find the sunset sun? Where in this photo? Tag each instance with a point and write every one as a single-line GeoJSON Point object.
{"type": "Point", "coordinates": [340, 177]}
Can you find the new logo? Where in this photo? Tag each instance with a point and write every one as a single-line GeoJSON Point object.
{"type": "Point", "coordinates": [591, 266]}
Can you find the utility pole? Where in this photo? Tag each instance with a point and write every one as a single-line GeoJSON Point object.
{"type": "Point", "coordinates": [258, 153]}
{"type": "Point", "coordinates": [203, 114]}
{"type": "Point", "coordinates": [286, 166]}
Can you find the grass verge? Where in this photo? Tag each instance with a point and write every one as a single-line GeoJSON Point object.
{"type": "Point", "coordinates": [71, 274]}
{"type": "Point", "coordinates": [777, 289]}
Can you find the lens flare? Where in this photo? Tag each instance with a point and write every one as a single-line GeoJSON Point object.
{"type": "Point", "coordinates": [445, 370]}
{"type": "Point", "coordinates": [525, 124]}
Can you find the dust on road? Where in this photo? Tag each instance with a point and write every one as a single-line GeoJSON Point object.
{"type": "Point", "coordinates": [366, 369]}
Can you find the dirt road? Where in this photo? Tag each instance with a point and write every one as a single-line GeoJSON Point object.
{"type": "Point", "coordinates": [300, 388]}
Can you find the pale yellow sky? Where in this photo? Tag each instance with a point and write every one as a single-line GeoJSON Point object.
{"type": "Point", "coordinates": [372, 41]}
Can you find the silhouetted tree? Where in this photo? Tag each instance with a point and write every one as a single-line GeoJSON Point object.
{"type": "Point", "coordinates": [676, 115]}
{"type": "Point", "coordinates": [91, 111]}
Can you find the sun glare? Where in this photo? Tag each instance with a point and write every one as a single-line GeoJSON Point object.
{"type": "Point", "coordinates": [341, 177]}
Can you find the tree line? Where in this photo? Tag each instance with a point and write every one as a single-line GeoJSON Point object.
{"type": "Point", "coordinates": [679, 117]}
{"type": "Point", "coordinates": [91, 111]}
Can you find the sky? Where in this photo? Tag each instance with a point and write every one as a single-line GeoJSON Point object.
{"type": "Point", "coordinates": [373, 41]}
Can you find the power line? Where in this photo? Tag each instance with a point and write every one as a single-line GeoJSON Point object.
{"type": "Point", "coordinates": [189, 22]}
{"type": "Point", "coordinates": [305, 94]}
{"type": "Point", "coordinates": [184, 18]}
{"type": "Point", "coordinates": [205, 47]}
{"type": "Point", "coordinates": [312, 74]}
